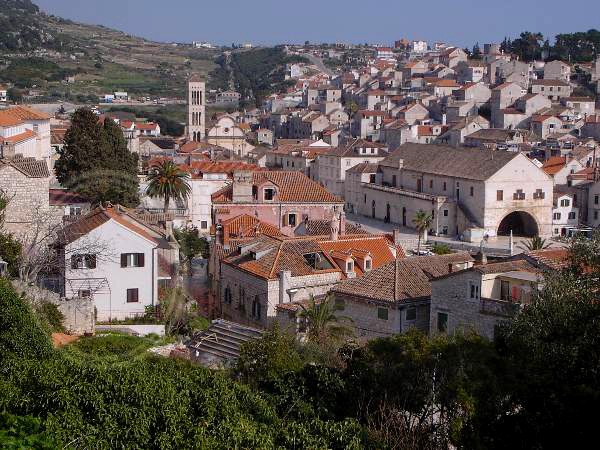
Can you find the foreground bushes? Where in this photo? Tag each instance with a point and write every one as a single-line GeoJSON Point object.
{"type": "Point", "coordinates": [114, 401]}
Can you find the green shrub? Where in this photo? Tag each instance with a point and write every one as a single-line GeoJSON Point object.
{"type": "Point", "coordinates": [17, 433]}
{"type": "Point", "coordinates": [441, 249]}
{"type": "Point", "coordinates": [20, 331]}
{"type": "Point", "coordinates": [51, 316]}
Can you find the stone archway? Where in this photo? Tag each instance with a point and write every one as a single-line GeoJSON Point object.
{"type": "Point", "coordinates": [521, 223]}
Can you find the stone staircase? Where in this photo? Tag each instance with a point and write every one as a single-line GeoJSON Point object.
{"type": "Point", "coordinates": [220, 344]}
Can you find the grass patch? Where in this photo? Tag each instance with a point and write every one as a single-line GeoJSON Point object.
{"type": "Point", "coordinates": [115, 347]}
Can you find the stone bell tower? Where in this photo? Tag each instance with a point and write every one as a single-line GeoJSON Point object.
{"type": "Point", "coordinates": [196, 101]}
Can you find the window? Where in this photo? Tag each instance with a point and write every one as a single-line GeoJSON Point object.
{"type": "Point", "coordinates": [430, 184]}
{"type": "Point", "coordinates": [596, 199]}
{"type": "Point", "coordinates": [269, 194]}
{"type": "Point", "coordinates": [595, 215]}
{"type": "Point", "coordinates": [367, 264]}
{"type": "Point", "coordinates": [499, 195]}
{"type": "Point", "coordinates": [474, 288]}
{"type": "Point", "coordinates": [411, 314]}
{"type": "Point", "coordinates": [471, 191]}
{"type": "Point", "coordinates": [565, 202]}
{"type": "Point", "coordinates": [519, 195]}
{"type": "Point", "coordinates": [74, 211]}
{"type": "Point", "coordinates": [444, 186]}
{"type": "Point", "coordinates": [504, 290]}
{"type": "Point", "coordinates": [382, 313]}
{"type": "Point", "coordinates": [442, 322]}
{"type": "Point", "coordinates": [539, 194]}
{"type": "Point", "coordinates": [572, 215]}
{"type": "Point", "coordinates": [445, 230]}
{"type": "Point", "coordinates": [556, 216]}
{"type": "Point", "coordinates": [292, 220]}
{"type": "Point", "coordinates": [204, 224]}
{"type": "Point", "coordinates": [83, 261]}
{"type": "Point", "coordinates": [445, 213]}
{"type": "Point", "coordinates": [132, 260]}
{"type": "Point", "coordinates": [84, 293]}
{"type": "Point", "coordinates": [372, 178]}
{"type": "Point", "coordinates": [349, 266]}
{"type": "Point", "coordinates": [227, 295]}
{"type": "Point", "coordinates": [133, 295]}
{"type": "Point", "coordinates": [394, 180]}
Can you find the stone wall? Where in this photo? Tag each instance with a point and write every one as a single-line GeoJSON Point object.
{"type": "Point", "coordinates": [450, 295]}
{"type": "Point", "coordinates": [79, 312]}
{"type": "Point", "coordinates": [26, 196]}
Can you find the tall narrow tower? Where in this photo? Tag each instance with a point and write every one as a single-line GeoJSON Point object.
{"type": "Point", "coordinates": [196, 100]}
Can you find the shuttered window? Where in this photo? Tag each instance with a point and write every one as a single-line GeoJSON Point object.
{"type": "Point", "coordinates": [133, 295]}
{"type": "Point", "coordinates": [132, 260]}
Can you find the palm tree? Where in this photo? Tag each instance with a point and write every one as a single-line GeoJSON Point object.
{"type": "Point", "coordinates": [535, 243]}
{"type": "Point", "coordinates": [167, 181]}
{"type": "Point", "coordinates": [321, 320]}
{"type": "Point", "coordinates": [422, 222]}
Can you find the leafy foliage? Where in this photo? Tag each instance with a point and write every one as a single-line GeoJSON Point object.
{"type": "Point", "coordinates": [10, 251]}
{"type": "Point", "coordinates": [18, 433]}
{"type": "Point", "coordinates": [26, 72]}
{"type": "Point", "coordinates": [441, 249]}
{"type": "Point", "coordinates": [96, 162]}
{"type": "Point", "coordinates": [191, 244]}
{"type": "Point", "coordinates": [20, 332]}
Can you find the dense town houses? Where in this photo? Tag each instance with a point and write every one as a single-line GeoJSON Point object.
{"type": "Point", "coordinates": [288, 192]}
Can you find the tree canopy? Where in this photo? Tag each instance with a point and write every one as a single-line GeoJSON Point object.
{"type": "Point", "coordinates": [96, 162]}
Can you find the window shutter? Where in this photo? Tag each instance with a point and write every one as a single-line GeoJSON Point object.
{"type": "Point", "coordinates": [140, 259]}
{"type": "Point", "coordinates": [285, 220]}
{"type": "Point", "coordinates": [123, 259]}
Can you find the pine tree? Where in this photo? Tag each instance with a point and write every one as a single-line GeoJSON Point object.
{"type": "Point", "coordinates": [96, 162]}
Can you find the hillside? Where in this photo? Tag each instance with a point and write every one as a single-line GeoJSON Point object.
{"type": "Point", "coordinates": [40, 50]}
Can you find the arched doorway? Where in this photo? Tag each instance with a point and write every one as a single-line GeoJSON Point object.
{"type": "Point", "coordinates": [521, 223]}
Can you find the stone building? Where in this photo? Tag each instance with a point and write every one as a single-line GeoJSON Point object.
{"type": "Point", "coordinates": [395, 297]}
{"type": "Point", "coordinates": [228, 134]}
{"type": "Point", "coordinates": [468, 192]}
{"type": "Point", "coordinates": [25, 182]}
{"type": "Point", "coordinates": [269, 277]}
{"type": "Point", "coordinates": [485, 295]}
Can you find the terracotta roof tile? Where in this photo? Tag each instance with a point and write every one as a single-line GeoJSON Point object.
{"type": "Point", "coordinates": [293, 187]}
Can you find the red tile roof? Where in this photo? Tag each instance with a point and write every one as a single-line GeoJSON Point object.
{"type": "Point", "coordinates": [292, 187]}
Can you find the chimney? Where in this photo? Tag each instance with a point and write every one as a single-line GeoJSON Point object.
{"type": "Point", "coordinates": [396, 235]}
{"type": "Point", "coordinates": [342, 229]}
{"type": "Point", "coordinates": [242, 186]}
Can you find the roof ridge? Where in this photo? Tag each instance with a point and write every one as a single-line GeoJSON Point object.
{"type": "Point", "coordinates": [275, 261]}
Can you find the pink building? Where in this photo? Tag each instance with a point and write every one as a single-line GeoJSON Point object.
{"type": "Point", "coordinates": [280, 198]}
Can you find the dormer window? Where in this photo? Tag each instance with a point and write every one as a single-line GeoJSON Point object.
{"type": "Point", "coordinates": [269, 194]}
{"type": "Point", "coordinates": [367, 265]}
{"type": "Point", "coordinates": [349, 266]}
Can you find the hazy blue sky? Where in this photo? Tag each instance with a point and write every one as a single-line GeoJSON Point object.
{"type": "Point", "coordinates": [461, 22]}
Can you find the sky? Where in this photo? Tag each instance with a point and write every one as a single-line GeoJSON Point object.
{"type": "Point", "coordinates": [267, 22]}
